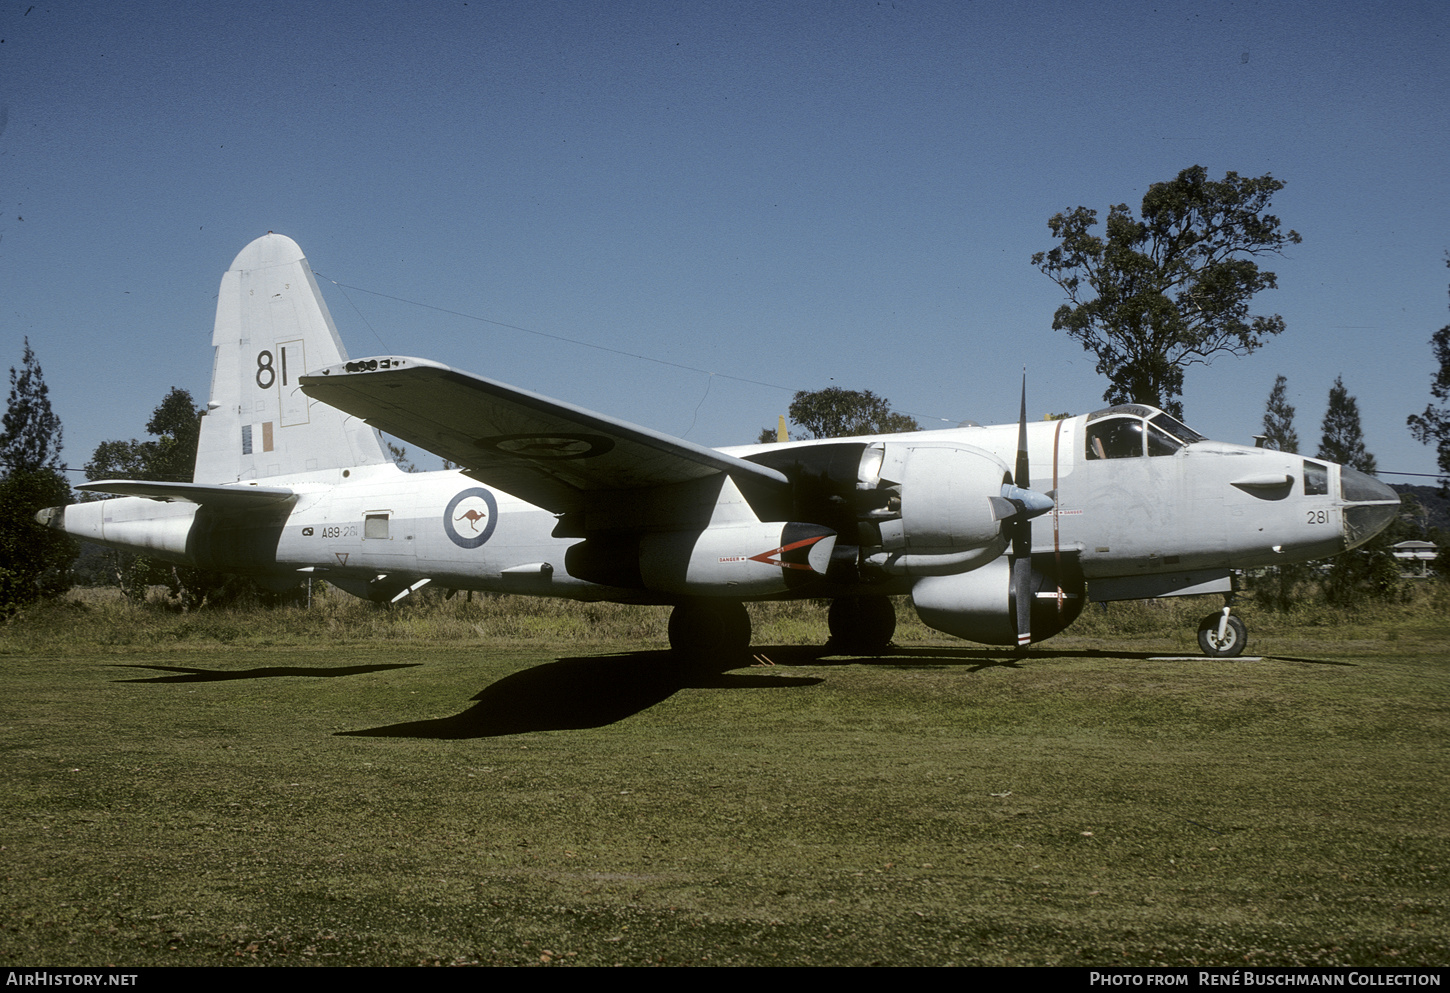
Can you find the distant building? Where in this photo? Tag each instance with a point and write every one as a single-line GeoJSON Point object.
{"type": "Point", "coordinates": [1415, 558]}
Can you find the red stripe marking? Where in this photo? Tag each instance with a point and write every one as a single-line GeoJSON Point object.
{"type": "Point", "coordinates": [765, 557]}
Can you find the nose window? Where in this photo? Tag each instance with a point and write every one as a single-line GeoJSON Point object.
{"type": "Point", "coordinates": [1358, 486]}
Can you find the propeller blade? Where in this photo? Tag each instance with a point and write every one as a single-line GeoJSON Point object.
{"type": "Point", "coordinates": [1019, 476]}
{"type": "Point", "coordinates": [1022, 530]}
{"type": "Point", "coordinates": [1022, 595]}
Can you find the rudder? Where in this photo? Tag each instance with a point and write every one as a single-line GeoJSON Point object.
{"type": "Point", "coordinates": [272, 325]}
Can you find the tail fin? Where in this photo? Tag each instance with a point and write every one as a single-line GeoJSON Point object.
{"type": "Point", "coordinates": [271, 327]}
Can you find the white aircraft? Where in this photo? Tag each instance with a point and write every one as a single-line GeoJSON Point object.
{"type": "Point", "coordinates": [553, 500]}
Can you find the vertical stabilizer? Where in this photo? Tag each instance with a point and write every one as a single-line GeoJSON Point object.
{"type": "Point", "coordinates": [271, 327]}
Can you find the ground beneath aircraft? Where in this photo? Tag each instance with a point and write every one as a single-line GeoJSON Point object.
{"type": "Point", "coordinates": [395, 804]}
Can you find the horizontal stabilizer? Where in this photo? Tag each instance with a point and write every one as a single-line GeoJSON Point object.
{"type": "Point", "coordinates": [218, 497]}
{"type": "Point", "coordinates": [550, 453]}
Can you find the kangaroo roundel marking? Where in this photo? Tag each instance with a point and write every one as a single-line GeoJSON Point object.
{"type": "Point", "coordinates": [470, 517]}
{"type": "Point", "coordinates": [547, 447]}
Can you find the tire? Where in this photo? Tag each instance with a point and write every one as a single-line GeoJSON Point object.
{"type": "Point", "coordinates": [710, 629]}
{"type": "Point", "coordinates": [861, 624]}
{"type": "Point", "coordinates": [1235, 637]}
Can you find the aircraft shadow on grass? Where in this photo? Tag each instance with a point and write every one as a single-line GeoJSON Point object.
{"type": "Point", "coordinates": [595, 691]}
{"type": "Point", "coordinates": [581, 692]}
{"type": "Point", "coordinates": [191, 674]}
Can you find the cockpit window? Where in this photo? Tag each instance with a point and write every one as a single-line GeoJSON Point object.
{"type": "Point", "coordinates": [1161, 443]}
{"type": "Point", "coordinates": [1115, 438]}
{"type": "Point", "coordinates": [1177, 428]}
{"type": "Point", "coordinates": [1166, 423]}
{"type": "Point", "coordinates": [1316, 478]}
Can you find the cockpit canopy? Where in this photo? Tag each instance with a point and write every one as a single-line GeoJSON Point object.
{"type": "Point", "coordinates": [1130, 431]}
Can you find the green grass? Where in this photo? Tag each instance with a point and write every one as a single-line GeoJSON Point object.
{"type": "Point", "coordinates": [499, 783]}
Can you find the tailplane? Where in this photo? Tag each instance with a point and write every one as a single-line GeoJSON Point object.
{"type": "Point", "coordinates": [272, 326]}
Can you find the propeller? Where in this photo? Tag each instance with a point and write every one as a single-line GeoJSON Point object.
{"type": "Point", "coordinates": [1022, 529]}
{"type": "Point", "coordinates": [1017, 506]}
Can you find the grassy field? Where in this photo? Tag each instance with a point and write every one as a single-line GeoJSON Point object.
{"type": "Point", "coordinates": [522, 782]}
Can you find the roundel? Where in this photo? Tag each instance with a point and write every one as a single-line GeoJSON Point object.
{"type": "Point", "coordinates": [548, 447]}
{"type": "Point", "coordinates": [470, 517]}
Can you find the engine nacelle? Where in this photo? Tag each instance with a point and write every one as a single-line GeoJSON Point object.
{"type": "Point", "coordinates": [948, 518]}
{"type": "Point", "coordinates": [946, 497]}
{"type": "Point", "coordinates": [978, 605]}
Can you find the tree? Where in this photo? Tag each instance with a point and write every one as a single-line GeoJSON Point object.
{"type": "Point", "coordinates": [837, 413]}
{"type": "Point", "coordinates": [399, 455]}
{"type": "Point", "coordinates": [1279, 431]}
{"type": "Point", "coordinates": [1433, 426]}
{"type": "Point", "coordinates": [1170, 290]}
{"type": "Point", "coordinates": [170, 457]}
{"type": "Point", "coordinates": [32, 435]}
{"type": "Point", "coordinates": [176, 425]}
{"type": "Point", "coordinates": [1343, 441]}
{"type": "Point", "coordinates": [34, 559]}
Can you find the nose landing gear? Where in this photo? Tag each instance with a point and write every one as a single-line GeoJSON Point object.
{"type": "Point", "coordinates": [1222, 635]}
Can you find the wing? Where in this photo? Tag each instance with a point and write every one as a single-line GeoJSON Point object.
{"type": "Point", "coordinates": [552, 454]}
{"type": "Point", "coordinates": [214, 495]}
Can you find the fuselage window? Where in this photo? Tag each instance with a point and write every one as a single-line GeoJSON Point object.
{"type": "Point", "coordinates": [375, 526]}
{"type": "Point", "coordinates": [1115, 438]}
{"type": "Point", "coordinates": [1316, 479]}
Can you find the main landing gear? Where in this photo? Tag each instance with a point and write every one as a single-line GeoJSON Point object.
{"type": "Point", "coordinates": [1222, 635]}
{"type": "Point", "coordinates": [861, 625]}
{"type": "Point", "coordinates": [720, 628]}
{"type": "Point", "coordinates": [712, 628]}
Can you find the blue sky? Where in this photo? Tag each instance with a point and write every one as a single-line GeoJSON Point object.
{"type": "Point", "coordinates": [795, 194]}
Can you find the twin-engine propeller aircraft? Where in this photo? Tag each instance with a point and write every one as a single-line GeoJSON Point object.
{"type": "Point", "coordinates": [998, 534]}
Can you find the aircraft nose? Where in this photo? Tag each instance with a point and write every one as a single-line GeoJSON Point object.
{"type": "Point", "coordinates": [1369, 505]}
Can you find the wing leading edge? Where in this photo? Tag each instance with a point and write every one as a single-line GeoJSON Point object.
{"type": "Point", "coordinates": [552, 454]}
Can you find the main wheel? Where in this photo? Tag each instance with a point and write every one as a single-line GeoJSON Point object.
{"type": "Point", "coordinates": [1231, 645]}
{"type": "Point", "coordinates": [861, 624]}
{"type": "Point", "coordinates": [712, 628]}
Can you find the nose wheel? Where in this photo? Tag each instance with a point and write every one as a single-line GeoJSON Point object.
{"type": "Point", "coordinates": [1222, 635]}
